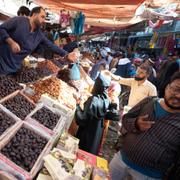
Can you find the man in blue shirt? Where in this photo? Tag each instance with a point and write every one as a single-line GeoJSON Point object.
{"type": "Point", "coordinates": [20, 36]}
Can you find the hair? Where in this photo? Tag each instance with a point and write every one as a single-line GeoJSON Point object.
{"type": "Point", "coordinates": [118, 54]}
{"type": "Point", "coordinates": [176, 76]}
{"type": "Point", "coordinates": [23, 10]}
{"type": "Point", "coordinates": [36, 10]}
{"type": "Point", "coordinates": [147, 68]}
{"type": "Point", "coordinates": [166, 72]}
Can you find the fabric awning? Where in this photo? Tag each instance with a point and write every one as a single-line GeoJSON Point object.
{"type": "Point", "coordinates": [104, 13]}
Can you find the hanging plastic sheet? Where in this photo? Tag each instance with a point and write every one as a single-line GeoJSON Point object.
{"type": "Point", "coordinates": [166, 12]}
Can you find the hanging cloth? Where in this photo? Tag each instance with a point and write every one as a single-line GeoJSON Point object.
{"type": "Point", "coordinates": [79, 24]}
{"type": "Point", "coordinates": [64, 18]}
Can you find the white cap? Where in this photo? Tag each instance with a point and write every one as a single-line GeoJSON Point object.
{"type": "Point", "coordinates": [108, 50]}
{"type": "Point", "coordinates": [103, 53]}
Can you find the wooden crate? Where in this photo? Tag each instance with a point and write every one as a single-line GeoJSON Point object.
{"type": "Point", "coordinates": [8, 165]}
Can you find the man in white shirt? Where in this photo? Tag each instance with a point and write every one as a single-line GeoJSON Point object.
{"type": "Point", "coordinates": [140, 86]}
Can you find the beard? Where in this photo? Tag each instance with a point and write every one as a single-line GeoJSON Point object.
{"type": "Point", "coordinates": [170, 105]}
{"type": "Point", "coordinates": [37, 23]}
{"type": "Point", "coordinates": [139, 78]}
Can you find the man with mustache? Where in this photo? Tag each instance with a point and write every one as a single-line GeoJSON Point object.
{"type": "Point", "coordinates": [152, 137]}
{"type": "Point", "coordinates": [140, 86]}
{"type": "Point", "coordinates": [20, 36]}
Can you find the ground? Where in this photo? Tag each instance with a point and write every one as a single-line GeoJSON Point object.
{"type": "Point", "coordinates": [111, 146]}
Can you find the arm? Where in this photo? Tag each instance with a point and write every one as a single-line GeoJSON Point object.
{"type": "Point", "coordinates": [113, 113]}
{"type": "Point", "coordinates": [6, 27]}
{"type": "Point", "coordinates": [82, 116]}
{"type": "Point", "coordinates": [53, 47]}
{"type": "Point", "coordinates": [124, 81]}
{"type": "Point", "coordinates": [4, 34]}
{"type": "Point", "coordinates": [129, 120]}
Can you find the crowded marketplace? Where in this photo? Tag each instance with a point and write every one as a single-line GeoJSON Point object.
{"type": "Point", "coordinates": [90, 90]}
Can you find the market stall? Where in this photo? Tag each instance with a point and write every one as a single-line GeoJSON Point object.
{"type": "Point", "coordinates": [38, 107]}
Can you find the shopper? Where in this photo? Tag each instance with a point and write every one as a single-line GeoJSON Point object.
{"type": "Point", "coordinates": [152, 138]}
{"type": "Point", "coordinates": [166, 72]}
{"type": "Point", "coordinates": [20, 36]}
{"type": "Point", "coordinates": [123, 67]}
{"type": "Point", "coordinates": [90, 120]}
{"type": "Point", "coordinates": [140, 86]}
{"type": "Point", "coordinates": [113, 92]}
{"type": "Point", "coordinates": [150, 62]}
{"type": "Point", "coordinates": [23, 11]}
{"type": "Point", "coordinates": [99, 65]}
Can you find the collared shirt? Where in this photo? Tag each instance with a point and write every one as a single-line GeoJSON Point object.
{"type": "Point", "coordinates": [138, 92]}
{"type": "Point", "coordinates": [19, 29]}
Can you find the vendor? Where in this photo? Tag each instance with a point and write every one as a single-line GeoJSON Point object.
{"type": "Point", "coordinates": [20, 36]}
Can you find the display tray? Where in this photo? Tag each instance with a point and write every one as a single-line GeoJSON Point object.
{"type": "Point", "coordinates": [10, 166]}
{"type": "Point", "coordinates": [17, 109]}
{"type": "Point", "coordinates": [11, 118]}
{"type": "Point", "coordinates": [39, 119]}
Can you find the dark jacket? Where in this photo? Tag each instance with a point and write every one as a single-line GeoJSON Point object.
{"type": "Point", "coordinates": [124, 68]}
{"type": "Point", "coordinates": [156, 148]}
{"type": "Point", "coordinates": [90, 120]}
{"type": "Point", "coordinates": [19, 29]}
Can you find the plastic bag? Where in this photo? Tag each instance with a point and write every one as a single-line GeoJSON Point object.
{"type": "Point", "coordinates": [75, 72]}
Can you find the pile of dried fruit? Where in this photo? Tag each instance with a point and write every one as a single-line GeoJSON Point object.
{"type": "Point", "coordinates": [50, 86]}
{"type": "Point", "coordinates": [24, 148]}
{"type": "Point", "coordinates": [5, 122]}
{"type": "Point", "coordinates": [46, 117]}
{"type": "Point", "coordinates": [48, 65]}
{"type": "Point", "coordinates": [58, 63]}
{"type": "Point", "coordinates": [56, 89]}
{"type": "Point", "coordinates": [8, 86]}
{"type": "Point", "coordinates": [19, 105]}
{"type": "Point", "coordinates": [27, 75]}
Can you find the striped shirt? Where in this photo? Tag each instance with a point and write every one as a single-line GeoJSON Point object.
{"type": "Point", "coordinates": [156, 148]}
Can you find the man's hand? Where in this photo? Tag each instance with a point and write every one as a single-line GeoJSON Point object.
{"type": "Point", "coordinates": [113, 76]}
{"type": "Point", "coordinates": [73, 56]}
{"type": "Point", "coordinates": [14, 45]}
{"type": "Point", "coordinates": [143, 124]}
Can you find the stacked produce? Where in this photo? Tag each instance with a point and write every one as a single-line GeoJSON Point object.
{"type": "Point", "coordinates": [60, 62]}
{"type": "Point", "coordinates": [56, 89]}
{"type": "Point", "coordinates": [50, 86]}
{"type": "Point", "coordinates": [19, 105]}
{"type": "Point", "coordinates": [24, 148]}
{"type": "Point", "coordinates": [48, 65]}
{"type": "Point", "coordinates": [8, 86]}
{"type": "Point", "coordinates": [5, 122]}
{"type": "Point", "coordinates": [64, 75]}
{"type": "Point", "coordinates": [46, 117]}
{"type": "Point", "coordinates": [43, 72]}
{"type": "Point", "coordinates": [27, 75]}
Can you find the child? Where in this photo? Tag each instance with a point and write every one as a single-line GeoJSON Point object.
{"type": "Point", "coordinates": [91, 119]}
